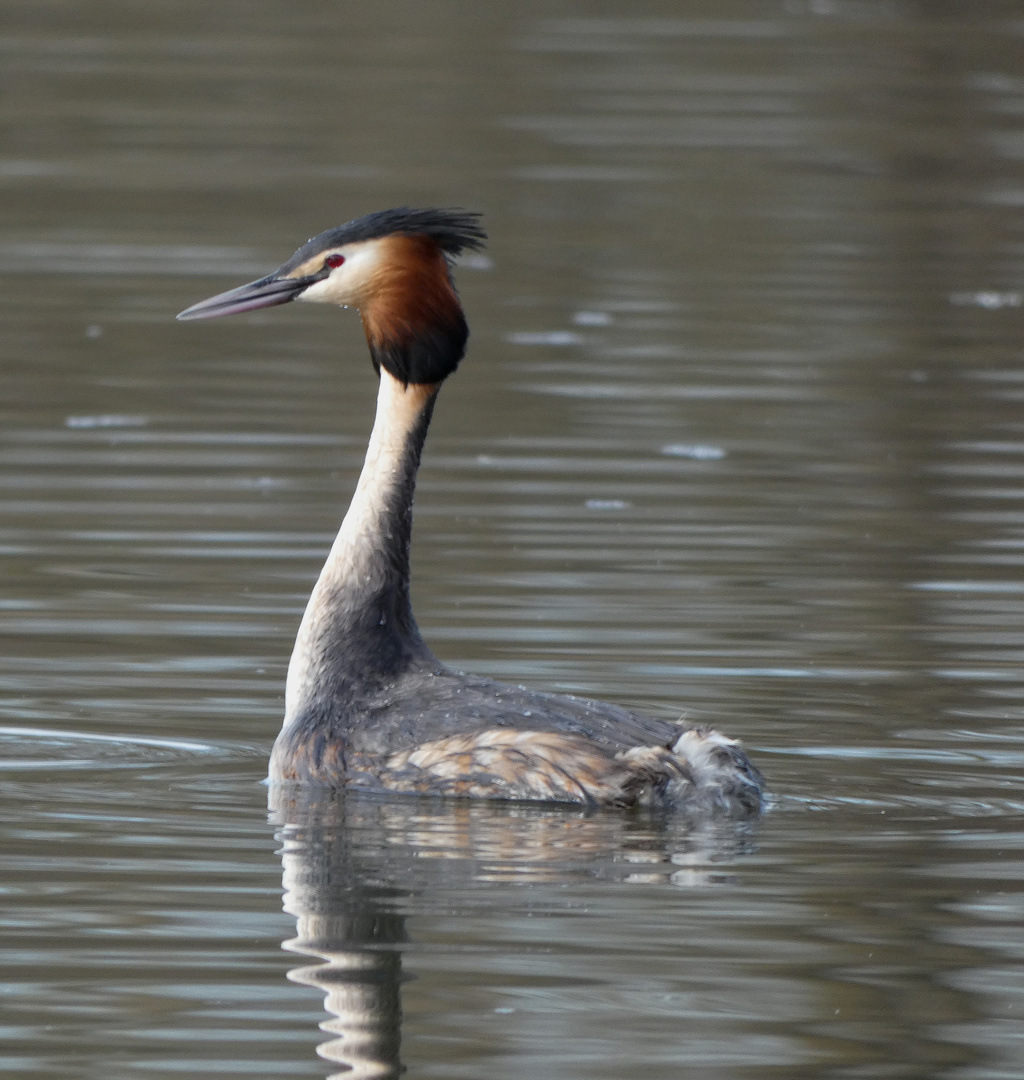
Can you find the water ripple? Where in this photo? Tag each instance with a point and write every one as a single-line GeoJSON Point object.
{"type": "Point", "coordinates": [22, 747]}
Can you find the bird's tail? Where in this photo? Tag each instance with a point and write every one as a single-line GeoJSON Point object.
{"type": "Point", "coordinates": [703, 770]}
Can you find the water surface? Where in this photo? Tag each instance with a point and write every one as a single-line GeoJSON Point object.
{"type": "Point", "coordinates": [738, 441]}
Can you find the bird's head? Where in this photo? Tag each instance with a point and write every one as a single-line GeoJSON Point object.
{"type": "Point", "coordinates": [394, 266]}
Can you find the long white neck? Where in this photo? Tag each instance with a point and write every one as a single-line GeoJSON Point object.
{"type": "Point", "coordinates": [358, 630]}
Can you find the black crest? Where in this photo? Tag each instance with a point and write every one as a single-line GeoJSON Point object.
{"type": "Point", "coordinates": [452, 230]}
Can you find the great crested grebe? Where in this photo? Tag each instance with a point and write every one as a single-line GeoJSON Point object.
{"type": "Point", "coordinates": [367, 704]}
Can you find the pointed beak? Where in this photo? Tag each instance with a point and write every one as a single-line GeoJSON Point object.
{"type": "Point", "coordinates": [267, 292]}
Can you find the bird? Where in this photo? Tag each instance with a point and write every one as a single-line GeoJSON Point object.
{"type": "Point", "coordinates": [368, 706]}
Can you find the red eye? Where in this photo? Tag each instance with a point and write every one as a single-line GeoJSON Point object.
{"type": "Point", "coordinates": [334, 260]}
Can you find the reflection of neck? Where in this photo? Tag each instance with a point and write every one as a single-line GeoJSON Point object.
{"type": "Point", "coordinates": [358, 628]}
{"type": "Point", "coordinates": [361, 987]}
{"type": "Point", "coordinates": [339, 922]}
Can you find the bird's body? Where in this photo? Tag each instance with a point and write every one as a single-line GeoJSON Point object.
{"type": "Point", "coordinates": [367, 704]}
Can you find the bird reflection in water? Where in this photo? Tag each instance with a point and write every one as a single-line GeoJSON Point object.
{"type": "Point", "coordinates": [355, 866]}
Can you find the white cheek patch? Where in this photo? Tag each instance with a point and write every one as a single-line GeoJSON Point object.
{"type": "Point", "coordinates": [317, 292]}
{"type": "Point", "coordinates": [347, 284]}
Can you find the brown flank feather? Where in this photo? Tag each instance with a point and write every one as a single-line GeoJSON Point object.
{"type": "Point", "coordinates": [510, 764]}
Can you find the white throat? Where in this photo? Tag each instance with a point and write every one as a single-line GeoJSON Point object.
{"type": "Point", "coordinates": [369, 534]}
